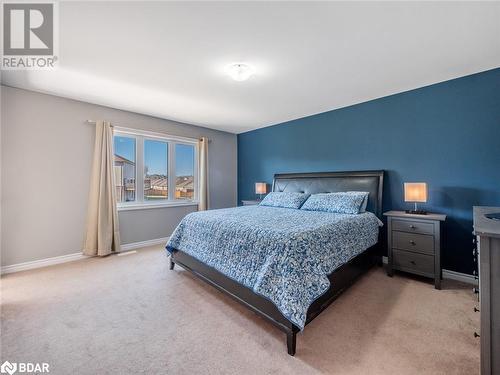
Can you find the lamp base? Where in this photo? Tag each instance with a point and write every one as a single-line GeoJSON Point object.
{"type": "Point", "coordinates": [416, 212]}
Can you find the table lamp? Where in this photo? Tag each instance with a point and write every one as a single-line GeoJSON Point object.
{"type": "Point", "coordinates": [260, 188]}
{"type": "Point", "coordinates": [416, 192]}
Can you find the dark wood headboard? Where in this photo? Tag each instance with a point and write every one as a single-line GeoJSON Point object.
{"type": "Point", "coordinates": [332, 182]}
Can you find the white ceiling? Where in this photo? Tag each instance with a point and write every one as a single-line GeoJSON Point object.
{"type": "Point", "coordinates": [166, 59]}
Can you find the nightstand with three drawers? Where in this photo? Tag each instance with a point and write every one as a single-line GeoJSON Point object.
{"type": "Point", "coordinates": [414, 244]}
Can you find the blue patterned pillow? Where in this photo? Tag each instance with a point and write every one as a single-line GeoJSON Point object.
{"type": "Point", "coordinates": [342, 203]}
{"type": "Point", "coordinates": [284, 199]}
{"type": "Point", "coordinates": [365, 200]}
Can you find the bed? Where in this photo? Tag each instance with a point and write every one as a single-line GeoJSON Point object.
{"type": "Point", "coordinates": [287, 265]}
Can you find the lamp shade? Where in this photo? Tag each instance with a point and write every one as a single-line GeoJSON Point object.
{"type": "Point", "coordinates": [415, 192]}
{"type": "Point", "coordinates": [260, 188]}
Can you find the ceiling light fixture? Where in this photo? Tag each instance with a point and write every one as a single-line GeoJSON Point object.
{"type": "Point", "coordinates": [240, 71]}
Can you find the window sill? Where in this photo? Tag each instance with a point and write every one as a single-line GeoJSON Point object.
{"type": "Point", "coordinates": [147, 206]}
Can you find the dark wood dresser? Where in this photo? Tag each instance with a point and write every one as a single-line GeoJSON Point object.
{"type": "Point", "coordinates": [487, 232]}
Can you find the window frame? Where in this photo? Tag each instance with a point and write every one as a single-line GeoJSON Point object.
{"type": "Point", "coordinates": [140, 136]}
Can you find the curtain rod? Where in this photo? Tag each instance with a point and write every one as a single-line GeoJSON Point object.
{"type": "Point", "coordinates": [93, 122]}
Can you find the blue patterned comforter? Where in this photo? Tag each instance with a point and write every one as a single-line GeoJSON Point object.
{"type": "Point", "coordinates": [282, 254]}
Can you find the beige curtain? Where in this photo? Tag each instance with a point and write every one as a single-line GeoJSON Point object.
{"type": "Point", "coordinates": [203, 165]}
{"type": "Point", "coordinates": [102, 237]}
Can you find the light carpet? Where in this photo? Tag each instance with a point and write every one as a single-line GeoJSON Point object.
{"type": "Point", "coordinates": [131, 314]}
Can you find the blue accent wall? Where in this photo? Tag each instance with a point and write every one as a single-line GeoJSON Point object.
{"type": "Point", "coordinates": [447, 135]}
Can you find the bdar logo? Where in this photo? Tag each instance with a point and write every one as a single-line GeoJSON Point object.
{"type": "Point", "coordinates": [8, 368]}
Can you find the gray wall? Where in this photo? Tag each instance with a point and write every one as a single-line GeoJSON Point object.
{"type": "Point", "coordinates": [46, 149]}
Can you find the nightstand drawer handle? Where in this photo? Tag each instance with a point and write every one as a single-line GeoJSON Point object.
{"type": "Point", "coordinates": [413, 227]}
{"type": "Point", "coordinates": [413, 262]}
{"type": "Point", "coordinates": [412, 242]}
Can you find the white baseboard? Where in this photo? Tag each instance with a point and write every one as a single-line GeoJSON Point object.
{"type": "Point", "coordinates": [452, 275]}
{"type": "Point", "coordinates": [42, 263]}
{"type": "Point", "coordinates": [136, 245]}
{"type": "Point", "coordinates": [463, 277]}
{"type": "Point", "coordinates": [72, 257]}
{"type": "Point", "coordinates": [447, 274]}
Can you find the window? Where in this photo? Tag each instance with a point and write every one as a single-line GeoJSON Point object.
{"type": "Point", "coordinates": [184, 171]}
{"type": "Point", "coordinates": [124, 168]}
{"type": "Point", "coordinates": [154, 170]}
